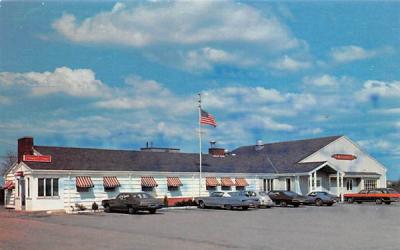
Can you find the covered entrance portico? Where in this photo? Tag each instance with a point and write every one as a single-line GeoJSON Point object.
{"type": "Point", "coordinates": [319, 179]}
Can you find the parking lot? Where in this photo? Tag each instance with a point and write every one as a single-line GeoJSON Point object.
{"type": "Point", "coordinates": [366, 226]}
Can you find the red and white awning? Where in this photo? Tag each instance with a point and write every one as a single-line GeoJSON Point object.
{"type": "Point", "coordinates": [84, 182]}
{"type": "Point", "coordinates": [212, 182]}
{"type": "Point", "coordinates": [227, 182]}
{"type": "Point", "coordinates": [174, 182]}
{"type": "Point", "coordinates": [149, 181]}
{"type": "Point", "coordinates": [110, 182]}
{"type": "Point", "coordinates": [241, 182]}
{"type": "Point", "coordinates": [9, 185]}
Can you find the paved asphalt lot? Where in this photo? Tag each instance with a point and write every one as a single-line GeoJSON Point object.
{"type": "Point", "coordinates": [366, 226]}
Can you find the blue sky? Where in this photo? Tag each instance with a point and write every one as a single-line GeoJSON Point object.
{"type": "Point", "coordinates": [118, 74]}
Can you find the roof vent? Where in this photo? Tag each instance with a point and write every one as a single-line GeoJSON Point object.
{"type": "Point", "coordinates": [259, 145]}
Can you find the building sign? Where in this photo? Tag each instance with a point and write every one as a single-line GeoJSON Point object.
{"type": "Point", "coordinates": [345, 157]}
{"type": "Point", "coordinates": [37, 158]}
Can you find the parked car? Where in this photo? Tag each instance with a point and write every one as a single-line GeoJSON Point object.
{"type": "Point", "coordinates": [227, 200]}
{"type": "Point", "coordinates": [132, 202]}
{"type": "Point", "coordinates": [284, 198]}
{"type": "Point", "coordinates": [377, 195]}
{"type": "Point", "coordinates": [262, 197]}
{"type": "Point", "coordinates": [320, 198]}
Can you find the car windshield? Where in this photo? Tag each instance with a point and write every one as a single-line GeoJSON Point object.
{"type": "Point", "coordinates": [391, 191]}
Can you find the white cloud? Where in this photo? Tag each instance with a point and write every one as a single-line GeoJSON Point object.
{"type": "Point", "coordinates": [350, 53]}
{"type": "Point", "coordinates": [287, 63]}
{"type": "Point", "coordinates": [206, 58]}
{"type": "Point", "coordinates": [322, 80]}
{"type": "Point", "coordinates": [74, 82]}
{"type": "Point", "coordinates": [388, 111]}
{"type": "Point", "coordinates": [178, 22]}
{"type": "Point", "coordinates": [374, 89]}
{"type": "Point", "coordinates": [311, 131]}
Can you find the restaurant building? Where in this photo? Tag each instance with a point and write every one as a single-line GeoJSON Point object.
{"type": "Point", "coordinates": [59, 178]}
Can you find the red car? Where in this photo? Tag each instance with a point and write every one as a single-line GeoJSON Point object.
{"type": "Point", "coordinates": [378, 195]}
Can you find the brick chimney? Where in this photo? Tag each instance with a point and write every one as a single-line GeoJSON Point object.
{"type": "Point", "coordinates": [25, 147]}
{"type": "Point", "coordinates": [217, 152]}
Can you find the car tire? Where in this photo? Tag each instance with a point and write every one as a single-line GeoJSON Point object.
{"type": "Point", "coordinates": [107, 208]}
{"type": "Point", "coordinates": [131, 210]}
{"type": "Point", "coordinates": [296, 205]}
{"type": "Point", "coordinates": [359, 202]}
{"type": "Point", "coordinates": [350, 200]}
{"type": "Point", "coordinates": [329, 204]}
{"type": "Point", "coordinates": [378, 201]}
{"type": "Point", "coordinates": [388, 202]}
{"type": "Point", "coordinates": [319, 202]}
{"type": "Point", "coordinates": [152, 211]}
{"type": "Point", "coordinates": [245, 208]}
{"type": "Point", "coordinates": [228, 207]}
{"type": "Point", "coordinates": [283, 204]}
{"type": "Point", "coordinates": [202, 205]}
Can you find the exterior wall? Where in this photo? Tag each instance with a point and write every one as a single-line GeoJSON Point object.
{"type": "Point", "coordinates": [363, 163]}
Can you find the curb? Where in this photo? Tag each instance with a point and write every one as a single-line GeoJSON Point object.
{"type": "Point", "coordinates": [178, 208]}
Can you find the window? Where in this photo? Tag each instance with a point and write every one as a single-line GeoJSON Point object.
{"type": "Point", "coordinates": [40, 187]}
{"type": "Point", "coordinates": [369, 184]}
{"type": "Point", "coordinates": [147, 189]}
{"type": "Point", "coordinates": [211, 188]}
{"type": "Point", "coordinates": [172, 189]}
{"type": "Point", "coordinates": [349, 184]}
{"type": "Point", "coordinates": [47, 187]}
{"type": "Point", "coordinates": [82, 189]}
{"type": "Point", "coordinates": [270, 184]}
{"type": "Point", "coordinates": [240, 188]}
{"type": "Point", "coordinates": [28, 187]}
{"type": "Point", "coordinates": [109, 189]}
{"type": "Point", "coordinates": [226, 188]}
{"type": "Point", "coordinates": [265, 185]}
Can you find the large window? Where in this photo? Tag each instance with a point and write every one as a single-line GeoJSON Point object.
{"type": "Point", "coordinates": [147, 189]}
{"type": "Point", "coordinates": [270, 184]}
{"type": "Point", "coordinates": [349, 184]}
{"type": "Point", "coordinates": [211, 188]}
{"type": "Point", "coordinates": [288, 184]}
{"type": "Point", "coordinates": [226, 188]}
{"type": "Point", "coordinates": [47, 187]}
{"type": "Point", "coordinates": [369, 184]}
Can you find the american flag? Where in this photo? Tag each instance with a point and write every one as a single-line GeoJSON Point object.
{"type": "Point", "coordinates": [207, 118]}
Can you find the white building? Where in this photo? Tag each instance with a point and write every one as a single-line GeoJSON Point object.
{"type": "Point", "coordinates": [54, 178]}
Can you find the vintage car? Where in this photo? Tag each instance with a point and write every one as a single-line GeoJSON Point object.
{"type": "Point", "coordinates": [378, 195]}
{"type": "Point", "coordinates": [132, 202]}
{"type": "Point", "coordinates": [227, 200]}
{"type": "Point", "coordinates": [320, 198]}
{"type": "Point", "coordinates": [262, 197]}
{"type": "Point", "coordinates": [285, 198]}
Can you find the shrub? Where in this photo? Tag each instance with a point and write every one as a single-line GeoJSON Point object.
{"type": "Point", "coordinates": [95, 207]}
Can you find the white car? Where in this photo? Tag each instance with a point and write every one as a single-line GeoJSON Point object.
{"type": "Point", "coordinates": [262, 197]}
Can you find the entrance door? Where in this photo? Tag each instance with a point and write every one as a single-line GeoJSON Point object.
{"type": "Point", "coordinates": [288, 184]}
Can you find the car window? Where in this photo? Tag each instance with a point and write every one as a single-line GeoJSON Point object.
{"type": "Point", "coordinates": [217, 194]}
{"type": "Point", "coordinates": [122, 196]}
{"type": "Point", "coordinates": [289, 193]}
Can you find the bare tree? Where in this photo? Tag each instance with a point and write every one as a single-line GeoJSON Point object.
{"type": "Point", "coordinates": [7, 161]}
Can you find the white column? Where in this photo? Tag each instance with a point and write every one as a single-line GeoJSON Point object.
{"type": "Point", "coordinates": [310, 182]}
{"type": "Point", "coordinates": [297, 180]}
{"type": "Point", "coordinates": [337, 184]}
{"type": "Point", "coordinates": [341, 187]}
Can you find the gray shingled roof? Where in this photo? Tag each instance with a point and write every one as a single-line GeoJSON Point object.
{"type": "Point", "coordinates": [282, 157]}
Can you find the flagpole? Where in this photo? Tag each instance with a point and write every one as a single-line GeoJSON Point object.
{"type": "Point", "coordinates": [200, 165]}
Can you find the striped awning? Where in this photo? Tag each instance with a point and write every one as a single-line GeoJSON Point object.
{"type": "Point", "coordinates": [241, 182]}
{"type": "Point", "coordinates": [227, 182]}
{"type": "Point", "coordinates": [9, 185]}
{"type": "Point", "coordinates": [110, 182]}
{"type": "Point", "coordinates": [174, 182]}
{"type": "Point", "coordinates": [212, 182]}
{"type": "Point", "coordinates": [84, 182]}
{"type": "Point", "coordinates": [149, 181]}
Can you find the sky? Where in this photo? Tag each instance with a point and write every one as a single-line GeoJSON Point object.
{"type": "Point", "coordinates": [116, 75]}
